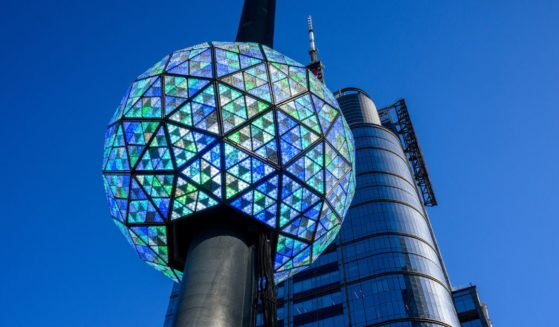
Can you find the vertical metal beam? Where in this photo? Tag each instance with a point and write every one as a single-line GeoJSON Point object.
{"type": "Point", "coordinates": [257, 22]}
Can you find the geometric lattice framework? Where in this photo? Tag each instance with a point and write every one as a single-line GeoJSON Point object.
{"type": "Point", "coordinates": [234, 124]}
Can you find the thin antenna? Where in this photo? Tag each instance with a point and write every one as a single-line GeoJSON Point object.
{"type": "Point", "coordinates": [313, 52]}
{"type": "Point", "coordinates": [315, 66]}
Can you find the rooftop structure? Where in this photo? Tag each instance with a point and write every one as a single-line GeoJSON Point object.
{"type": "Point", "coordinates": [471, 311]}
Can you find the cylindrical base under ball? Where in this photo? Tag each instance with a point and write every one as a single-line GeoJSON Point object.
{"type": "Point", "coordinates": [219, 284]}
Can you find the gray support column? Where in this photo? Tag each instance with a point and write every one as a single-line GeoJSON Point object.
{"type": "Point", "coordinates": [257, 22]}
{"type": "Point", "coordinates": [218, 284]}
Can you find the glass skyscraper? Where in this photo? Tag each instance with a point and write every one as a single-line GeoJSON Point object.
{"type": "Point", "coordinates": [385, 268]}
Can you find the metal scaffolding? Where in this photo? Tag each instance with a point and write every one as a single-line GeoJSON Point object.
{"type": "Point", "coordinates": [396, 118]}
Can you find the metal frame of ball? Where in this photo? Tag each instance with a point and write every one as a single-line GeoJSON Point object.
{"type": "Point", "coordinates": [280, 169]}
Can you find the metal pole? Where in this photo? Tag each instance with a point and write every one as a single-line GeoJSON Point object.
{"type": "Point", "coordinates": [218, 285]}
{"type": "Point", "coordinates": [257, 22]}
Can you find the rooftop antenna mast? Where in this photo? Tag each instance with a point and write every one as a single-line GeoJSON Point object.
{"type": "Point", "coordinates": [313, 52]}
{"type": "Point", "coordinates": [315, 66]}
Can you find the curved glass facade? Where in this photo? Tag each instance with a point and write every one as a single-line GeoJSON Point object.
{"type": "Point", "coordinates": [384, 268]}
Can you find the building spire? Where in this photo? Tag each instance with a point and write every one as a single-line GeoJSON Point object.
{"type": "Point", "coordinates": [315, 66]}
{"type": "Point", "coordinates": [313, 52]}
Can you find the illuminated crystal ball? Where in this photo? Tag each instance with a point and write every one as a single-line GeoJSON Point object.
{"type": "Point", "coordinates": [229, 124]}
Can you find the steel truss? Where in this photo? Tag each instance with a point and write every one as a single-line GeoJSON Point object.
{"type": "Point", "coordinates": [396, 117]}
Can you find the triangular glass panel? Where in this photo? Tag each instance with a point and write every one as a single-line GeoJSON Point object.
{"type": "Point", "coordinates": [295, 199]}
{"type": "Point", "coordinates": [139, 132]}
{"type": "Point", "coordinates": [336, 167]}
{"type": "Point", "coordinates": [156, 69]}
{"type": "Point", "coordinates": [226, 62]}
{"type": "Point", "coordinates": [255, 76]}
{"type": "Point", "coordinates": [205, 117]}
{"type": "Point", "coordinates": [235, 79]}
{"type": "Point", "coordinates": [179, 63]}
{"type": "Point", "coordinates": [177, 59]}
{"type": "Point", "coordinates": [187, 143]}
{"type": "Point", "coordinates": [141, 209]}
{"type": "Point", "coordinates": [309, 168]}
{"type": "Point", "coordinates": [299, 76]}
{"type": "Point", "coordinates": [262, 92]}
{"type": "Point", "coordinates": [148, 105]}
{"type": "Point", "coordinates": [326, 113]}
{"type": "Point", "coordinates": [337, 137]}
{"type": "Point", "coordinates": [151, 235]}
{"type": "Point", "coordinates": [329, 97]}
{"type": "Point", "coordinates": [117, 157]}
{"type": "Point", "coordinates": [242, 170]}
{"type": "Point", "coordinates": [289, 247]}
{"type": "Point", "coordinates": [244, 203]}
{"type": "Point", "coordinates": [255, 106]}
{"type": "Point", "coordinates": [110, 136]}
{"type": "Point", "coordinates": [206, 171]}
{"type": "Point", "coordinates": [189, 198]}
{"type": "Point", "coordinates": [234, 114]}
{"type": "Point", "coordinates": [138, 89]}
{"type": "Point", "coordinates": [258, 137]}
{"type": "Point", "coordinates": [276, 76]}
{"type": "Point", "coordinates": [251, 50]}
{"type": "Point", "coordinates": [157, 186]}
{"type": "Point", "coordinates": [176, 86]}
{"type": "Point", "coordinates": [117, 185]}
{"type": "Point", "coordinates": [295, 88]}
{"type": "Point", "coordinates": [349, 141]}
{"type": "Point", "coordinates": [116, 189]}
{"type": "Point", "coordinates": [172, 103]}
{"type": "Point", "coordinates": [337, 197]}
{"type": "Point", "coordinates": [294, 137]}
{"type": "Point", "coordinates": [157, 155]}
{"type": "Point", "coordinates": [201, 64]}
{"type": "Point", "coordinates": [320, 90]}
{"type": "Point", "coordinates": [149, 253]}
{"type": "Point", "coordinates": [228, 46]}
{"type": "Point", "coordinates": [138, 135]}
{"type": "Point", "coordinates": [303, 258]}
{"type": "Point", "coordinates": [200, 113]}
{"type": "Point", "coordinates": [273, 55]}
{"type": "Point", "coordinates": [262, 131]}
{"type": "Point", "coordinates": [256, 82]}
{"type": "Point", "coordinates": [183, 87]}
{"type": "Point", "coordinates": [322, 243]}
{"type": "Point", "coordinates": [227, 94]}
{"type": "Point", "coordinates": [248, 61]}
{"type": "Point", "coordinates": [302, 109]}
{"type": "Point", "coordinates": [301, 227]}
{"type": "Point", "coordinates": [315, 85]}
{"type": "Point", "coordinates": [281, 90]}
{"type": "Point", "coordinates": [280, 262]}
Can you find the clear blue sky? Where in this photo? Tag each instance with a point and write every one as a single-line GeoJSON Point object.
{"type": "Point", "coordinates": [481, 79]}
